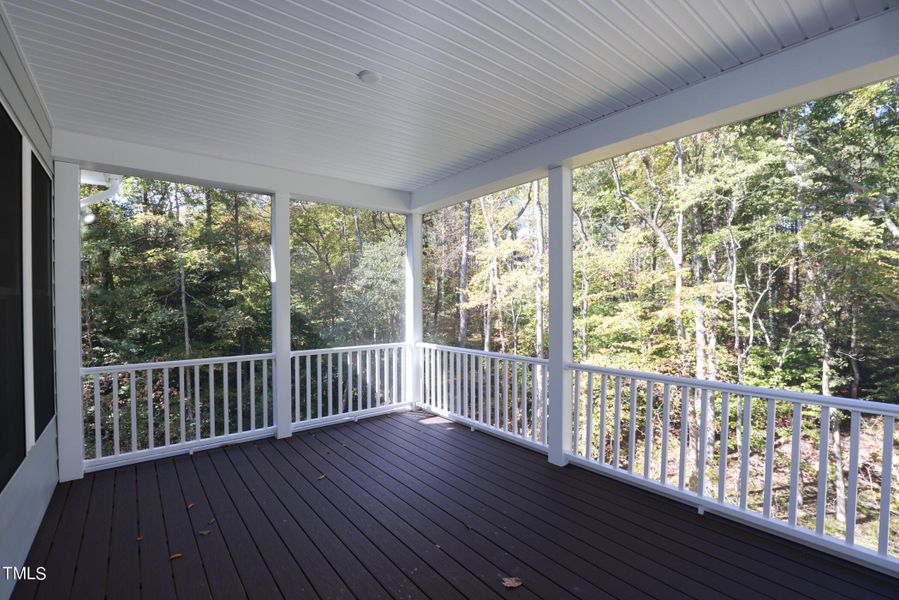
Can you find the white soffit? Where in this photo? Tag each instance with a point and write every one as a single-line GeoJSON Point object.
{"type": "Point", "coordinates": [274, 82]}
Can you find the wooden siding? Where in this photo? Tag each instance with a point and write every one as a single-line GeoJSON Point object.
{"type": "Point", "coordinates": [404, 506]}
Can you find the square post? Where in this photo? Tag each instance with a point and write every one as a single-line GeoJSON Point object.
{"type": "Point", "coordinates": [413, 315]}
{"type": "Point", "coordinates": [281, 312]}
{"type": "Point", "coordinates": [67, 315]}
{"type": "Point", "coordinates": [560, 317]}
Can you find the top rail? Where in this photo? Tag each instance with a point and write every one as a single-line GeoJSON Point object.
{"type": "Point", "coordinates": [850, 404]}
{"type": "Point", "coordinates": [336, 349]}
{"type": "Point", "coordinates": [175, 363]}
{"type": "Point", "coordinates": [514, 357]}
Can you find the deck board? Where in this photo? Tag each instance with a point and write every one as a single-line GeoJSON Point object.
{"type": "Point", "coordinates": [410, 506]}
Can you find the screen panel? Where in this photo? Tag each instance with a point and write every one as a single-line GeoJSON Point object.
{"type": "Point", "coordinates": [42, 295]}
{"type": "Point", "coordinates": [12, 395]}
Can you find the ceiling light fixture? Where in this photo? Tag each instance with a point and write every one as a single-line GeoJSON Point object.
{"type": "Point", "coordinates": [369, 76]}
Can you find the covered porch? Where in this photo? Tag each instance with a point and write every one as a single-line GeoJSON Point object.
{"type": "Point", "coordinates": [407, 468]}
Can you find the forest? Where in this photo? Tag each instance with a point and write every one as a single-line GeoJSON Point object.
{"type": "Point", "coordinates": [764, 253]}
{"type": "Point", "coordinates": [172, 271]}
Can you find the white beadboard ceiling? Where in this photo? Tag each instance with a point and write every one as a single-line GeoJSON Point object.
{"type": "Point", "coordinates": [273, 81]}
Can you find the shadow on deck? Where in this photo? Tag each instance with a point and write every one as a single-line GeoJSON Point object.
{"type": "Point", "coordinates": [404, 506]}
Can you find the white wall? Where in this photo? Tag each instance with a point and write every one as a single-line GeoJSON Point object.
{"type": "Point", "coordinates": [26, 495]}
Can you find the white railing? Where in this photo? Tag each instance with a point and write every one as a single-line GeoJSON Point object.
{"type": "Point", "coordinates": [139, 411]}
{"type": "Point", "coordinates": [764, 456]}
{"type": "Point", "coordinates": [339, 383]}
{"type": "Point", "coordinates": [503, 393]}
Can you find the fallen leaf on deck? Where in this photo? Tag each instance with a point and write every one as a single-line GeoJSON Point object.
{"type": "Point", "coordinates": [511, 582]}
{"type": "Point", "coordinates": [320, 477]}
{"type": "Point", "coordinates": [176, 556]}
{"type": "Point", "coordinates": [210, 521]}
{"type": "Point", "coordinates": [190, 505]}
{"type": "Point", "coordinates": [140, 537]}
{"type": "Point", "coordinates": [203, 532]}
{"type": "Point", "coordinates": [467, 525]}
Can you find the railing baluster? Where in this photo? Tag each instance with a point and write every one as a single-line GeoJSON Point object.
{"type": "Point", "coordinates": [132, 385]}
{"type": "Point", "coordinates": [466, 386]}
{"type": "Point", "coordinates": [745, 451]}
{"type": "Point", "coordinates": [506, 424]}
{"type": "Point", "coordinates": [197, 401]}
{"type": "Point", "coordinates": [211, 400]}
{"type": "Point", "coordinates": [495, 396]}
{"type": "Point", "coordinates": [115, 412]}
{"type": "Point", "coordinates": [483, 381]}
{"type": "Point", "coordinates": [632, 428]}
{"type": "Point", "coordinates": [265, 392]}
{"type": "Point", "coordinates": [318, 388]}
{"type": "Point", "coordinates": [165, 408]}
{"type": "Point", "coordinates": [666, 419]}
{"type": "Point", "coordinates": [684, 428]}
{"type": "Point", "coordinates": [330, 384]}
{"type": "Point", "coordinates": [340, 383]}
{"type": "Point", "coordinates": [603, 399]}
{"type": "Point", "coordinates": [252, 395]}
{"type": "Point", "coordinates": [149, 387]}
{"type": "Point", "coordinates": [795, 439]}
{"type": "Point", "coordinates": [523, 410]}
{"type": "Point", "coordinates": [588, 444]}
{"type": "Point", "coordinates": [886, 480]}
{"type": "Point", "coordinates": [368, 378]}
{"type": "Point", "coordinates": [703, 440]}
{"type": "Point", "coordinates": [182, 437]}
{"type": "Point", "coordinates": [647, 432]}
{"type": "Point", "coordinates": [769, 460]}
{"type": "Point", "coordinates": [239, 399]}
{"type": "Point", "coordinates": [98, 432]}
{"type": "Point", "coordinates": [823, 447]}
{"type": "Point", "coordinates": [296, 388]}
{"type": "Point", "coordinates": [360, 380]}
{"type": "Point", "coordinates": [534, 401]}
{"type": "Point", "coordinates": [616, 441]}
{"type": "Point", "coordinates": [226, 400]}
{"type": "Point", "coordinates": [576, 409]}
{"type": "Point", "coordinates": [722, 448]}
{"type": "Point", "coordinates": [852, 493]}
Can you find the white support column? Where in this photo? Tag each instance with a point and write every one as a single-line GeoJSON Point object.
{"type": "Point", "coordinates": [413, 308]}
{"type": "Point", "coordinates": [67, 315]}
{"type": "Point", "coordinates": [27, 296]}
{"type": "Point", "coordinates": [281, 311]}
{"type": "Point", "coordinates": [560, 321]}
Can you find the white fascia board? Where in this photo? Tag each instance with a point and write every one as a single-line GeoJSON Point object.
{"type": "Point", "coordinates": [130, 158]}
{"type": "Point", "coordinates": [857, 55]}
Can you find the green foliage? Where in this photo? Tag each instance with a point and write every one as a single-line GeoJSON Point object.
{"type": "Point", "coordinates": [782, 231]}
{"type": "Point", "coordinates": [136, 307]}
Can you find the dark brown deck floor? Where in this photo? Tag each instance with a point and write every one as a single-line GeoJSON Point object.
{"type": "Point", "coordinates": [405, 506]}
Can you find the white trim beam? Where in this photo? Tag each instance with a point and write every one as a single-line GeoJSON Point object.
{"type": "Point", "coordinates": [129, 158]}
{"type": "Point", "coordinates": [845, 59]}
{"type": "Point", "coordinates": [67, 316]}
{"type": "Point", "coordinates": [560, 315]}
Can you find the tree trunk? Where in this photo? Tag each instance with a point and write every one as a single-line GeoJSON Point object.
{"type": "Point", "coordinates": [538, 268]}
{"type": "Point", "coordinates": [208, 229]}
{"type": "Point", "coordinates": [835, 448]}
{"type": "Point", "coordinates": [238, 266]}
{"type": "Point", "coordinates": [357, 230]}
{"type": "Point", "coordinates": [463, 275]}
{"type": "Point", "coordinates": [855, 383]}
{"type": "Point", "coordinates": [182, 283]}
